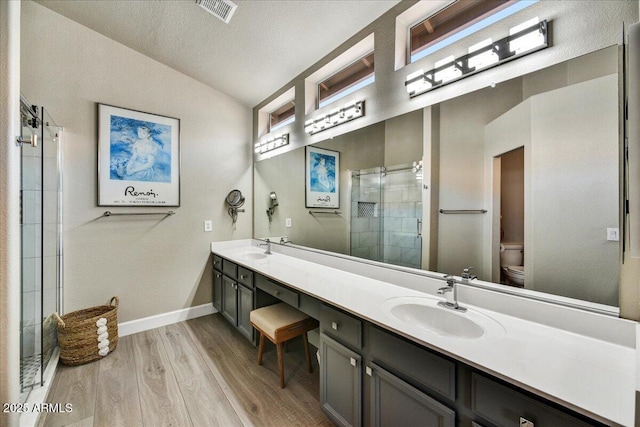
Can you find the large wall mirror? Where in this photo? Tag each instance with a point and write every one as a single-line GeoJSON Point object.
{"type": "Point", "coordinates": [520, 181]}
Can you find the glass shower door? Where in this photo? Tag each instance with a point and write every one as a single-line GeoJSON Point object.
{"type": "Point", "coordinates": [402, 221]}
{"type": "Point", "coordinates": [41, 244]}
{"type": "Point", "coordinates": [366, 214]}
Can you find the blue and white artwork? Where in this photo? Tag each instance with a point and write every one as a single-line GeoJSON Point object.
{"type": "Point", "coordinates": [322, 172]}
{"type": "Point", "coordinates": [139, 150]}
{"type": "Point", "coordinates": [322, 178]}
{"type": "Point", "coordinates": [138, 158]}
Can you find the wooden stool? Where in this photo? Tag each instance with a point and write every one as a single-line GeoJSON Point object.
{"type": "Point", "coordinates": [280, 323]}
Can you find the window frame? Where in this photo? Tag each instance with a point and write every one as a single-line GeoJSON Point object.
{"type": "Point", "coordinates": [320, 103]}
{"type": "Point", "coordinates": [290, 119]}
{"type": "Point", "coordinates": [486, 19]}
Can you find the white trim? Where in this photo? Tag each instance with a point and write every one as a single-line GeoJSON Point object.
{"type": "Point", "coordinates": [164, 319]}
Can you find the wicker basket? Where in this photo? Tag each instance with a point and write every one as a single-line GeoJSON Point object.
{"type": "Point", "coordinates": [84, 336]}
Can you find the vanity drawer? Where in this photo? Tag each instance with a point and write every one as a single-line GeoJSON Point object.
{"type": "Point", "coordinates": [229, 268]}
{"type": "Point", "coordinates": [341, 326]}
{"type": "Point", "coordinates": [245, 277]}
{"type": "Point", "coordinates": [416, 363]}
{"type": "Point", "coordinates": [217, 263]}
{"type": "Point", "coordinates": [277, 290]}
{"type": "Point", "coordinates": [501, 405]}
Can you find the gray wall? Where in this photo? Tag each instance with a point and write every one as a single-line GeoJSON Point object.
{"type": "Point", "coordinates": [153, 265]}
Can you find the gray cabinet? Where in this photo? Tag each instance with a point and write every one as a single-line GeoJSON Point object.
{"type": "Point", "coordinates": [230, 300]}
{"type": "Point", "coordinates": [393, 402]}
{"type": "Point", "coordinates": [245, 305]}
{"type": "Point", "coordinates": [217, 290]}
{"type": "Point", "coordinates": [340, 382]}
{"type": "Point", "coordinates": [233, 294]}
{"type": "Point", "coordinates": [504, 406]}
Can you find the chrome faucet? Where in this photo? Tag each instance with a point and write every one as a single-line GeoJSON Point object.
{"type": "Point", "coordinates": [451, 294]}
{"type": "Point", "coordinates": [268, 245]}
{"type": "Point", "coordinates": [284, 242]}
{"type": "Point", "coordinates": [467, 276]}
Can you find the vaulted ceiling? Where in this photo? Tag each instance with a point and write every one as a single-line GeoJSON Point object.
{"type": "Point", "coordinates": [266, 44]}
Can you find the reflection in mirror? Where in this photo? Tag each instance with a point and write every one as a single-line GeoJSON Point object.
{"type": "Point", "coordinates": [519, 181]}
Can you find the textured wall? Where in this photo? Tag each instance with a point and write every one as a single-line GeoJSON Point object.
{"type": "Point", "coordinates": [153, 265]}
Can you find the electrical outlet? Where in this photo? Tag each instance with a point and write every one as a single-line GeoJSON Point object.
{"type": "Point", "coordinates": [208, 225]}
{"type": "Point", "coordinates": [287, 222]}
{"type": "Point", "coordinates": [613, 234]}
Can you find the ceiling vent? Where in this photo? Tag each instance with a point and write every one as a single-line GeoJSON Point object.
{"type": "Point", "coordinates": [221, 9]}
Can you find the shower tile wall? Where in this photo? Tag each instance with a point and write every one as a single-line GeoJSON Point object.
{"type": "Point", "coordinates": [365, 217]}
{"type": "Point", "coordinates": [402, 210]}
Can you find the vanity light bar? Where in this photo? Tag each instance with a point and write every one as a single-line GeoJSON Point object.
{"type": "Point", "coordinates": [350, 111]}
{"type": "Point", "coordinates": [526, 38]}
{"type": "Point", "coordinates": [271, 144]}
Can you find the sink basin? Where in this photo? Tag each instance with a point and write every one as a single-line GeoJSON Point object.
{"type": "Point", "coordinates": [249, 255]}
{"type": "Point", "coordinates": [254, 255]}
{"type": "Point", "coordinates": [426, 314]}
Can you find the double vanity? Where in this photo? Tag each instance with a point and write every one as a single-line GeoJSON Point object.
{"type": "Point", "coordinates": [391, 355]}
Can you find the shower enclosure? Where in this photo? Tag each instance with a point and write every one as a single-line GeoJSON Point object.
{"type": "Point", "coordinates": [41, 224]}
{"type": "Point", "coordinates": [386, 214]}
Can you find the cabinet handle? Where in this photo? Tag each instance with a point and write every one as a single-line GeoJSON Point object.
{"type": "Point", "coordinates": [242, 276]}
{"type": "Point", "coordinates": [218, 275]}
{"type": "Point", "coordinates": [334, 325]}
{"type": "Point", "coordinates": [368, 370]}
{"type": "Point", "coordinates": [216, 262]}
{"type": "Point", "coordinates": [235, 286]}
{"type": "Point", "coordinates": [354, 362]}
{"type": "Point", "coordinates": [526, 423]}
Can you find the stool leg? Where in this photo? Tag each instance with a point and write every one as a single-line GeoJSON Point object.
{"type": "Point", "coordinates": [280, 364]}
{"type": "Point", "coordinates": [306, 351]}
{"type": "Point", "coordinates": [260, 349]}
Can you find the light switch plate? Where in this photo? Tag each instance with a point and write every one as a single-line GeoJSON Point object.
{"type": "Point", "coordinates": [287, 222]}
{"type": "Point", "coordinates": [208, 225]}
{"type": "Point", "coordinates": [613, 234]}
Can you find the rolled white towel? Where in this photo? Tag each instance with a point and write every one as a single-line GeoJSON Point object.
{"type": "Point", "coordinates": [102, 330]}
{"type": "Point", "coordinates": [104, 351]}
{"type": "Point", "coordinates": [101, 322]}
{"type": "Point", "coordinates": [103, 336]}
{"type": "Point", "coordinates": [103, 344]}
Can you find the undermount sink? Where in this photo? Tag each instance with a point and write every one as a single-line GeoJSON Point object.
{"type": "Point", "coordinates": [250, 255]}
{"type": "Point", "coordinates": [253, 255]}
{"type": "Point", "coordinates": [426, 314]}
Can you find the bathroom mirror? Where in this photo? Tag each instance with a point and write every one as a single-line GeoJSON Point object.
{"type": "Point", "coordinates": [519, 181]}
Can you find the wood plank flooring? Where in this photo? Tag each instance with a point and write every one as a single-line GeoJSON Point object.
{"type": "Point", "coordinates": [201, 372]}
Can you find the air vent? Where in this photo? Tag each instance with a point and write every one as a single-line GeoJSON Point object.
{"type": "Point", "coordinates": [221, 9]}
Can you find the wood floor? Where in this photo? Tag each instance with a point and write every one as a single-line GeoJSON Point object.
{"type": "Point", "coordinates": [201, 372]}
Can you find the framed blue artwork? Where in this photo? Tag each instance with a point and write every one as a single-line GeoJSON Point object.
{"type": "Point", "coordinates": [138, 158]}
{"type": "Point", "coordinates": [322, 178]}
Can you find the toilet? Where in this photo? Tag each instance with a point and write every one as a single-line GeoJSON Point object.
{"type": "Point", "coordinates": [511, 263]}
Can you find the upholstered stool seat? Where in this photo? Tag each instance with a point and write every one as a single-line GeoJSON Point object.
{"type": "Point", "coordinates": [280, 323]}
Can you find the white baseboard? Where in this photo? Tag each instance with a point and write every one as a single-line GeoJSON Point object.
{"type": "Point", "coordinates": [152, 322]}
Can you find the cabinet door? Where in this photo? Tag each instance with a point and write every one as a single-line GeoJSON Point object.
{"type": "Point", "coordinates": [217, 290]}
{"type": "Point", "coordinates": [230, 300]}
{"type": "Point", "coordinates": [393, 402]}
{"type": "Point", "coordinates": [340, 382]}
{"type": "Point", "coordinates": [245, 305]}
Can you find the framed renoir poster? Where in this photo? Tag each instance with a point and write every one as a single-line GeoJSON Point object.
{"type": "Point", "coordinates": [138, 158]}
{"type": "Point", "coordinates": [322, 178]}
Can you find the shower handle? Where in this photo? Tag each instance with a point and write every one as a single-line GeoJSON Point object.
{"type": "Point", "coordinates": [419, 228]}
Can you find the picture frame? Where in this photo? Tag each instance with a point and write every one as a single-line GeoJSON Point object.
{"type": "Point", "coordinates": [138, 158]}
{"type": "Point", "coordinates": [322, 171]}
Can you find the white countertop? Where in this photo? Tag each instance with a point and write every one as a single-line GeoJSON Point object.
{"type": "Point", "coordinates": [589, 375]}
